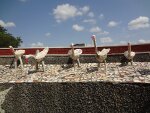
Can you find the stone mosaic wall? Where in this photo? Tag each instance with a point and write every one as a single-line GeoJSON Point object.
{"type": "Point", "coordinates": [59, 59]}
{"type": "Point", "coordinates": [90, 97]}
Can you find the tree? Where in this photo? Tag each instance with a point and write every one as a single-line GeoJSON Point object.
{"type": "Point", "coordinates": [6, 39]}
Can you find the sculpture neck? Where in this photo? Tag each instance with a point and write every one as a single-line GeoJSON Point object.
{"type": "Point", "coordinates": [12, 49]}
{"type": "Point", "coordinates": [129, 49]}
{"type": "Point", "coordinates": [37, 51]}
{"type": "Point", "coordinates": [72, 48]}
{"type": "Point", "coordinates": [95, 46]}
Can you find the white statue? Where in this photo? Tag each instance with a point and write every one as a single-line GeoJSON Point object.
{"type": "Point", "coordinates": [18, 54]}
{"type": "Point", "coordinates": [39, 56]}
{"type": "Point", "coordinates": [100, 55]}
{"type": "Point", "coordinates": [129, 54]}
{"type": "Point", "coordinates": [74, 54]}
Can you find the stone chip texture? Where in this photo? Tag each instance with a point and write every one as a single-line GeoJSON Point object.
{"type": "Point", "coordinates": [79, 97]}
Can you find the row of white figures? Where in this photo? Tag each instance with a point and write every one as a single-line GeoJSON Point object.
{"type": "Point", "coordinates": [100, 55]}
{"type": "Point", "coordinates": [73, 53]}
{"type": "Point", "coordinates": [39, 56]}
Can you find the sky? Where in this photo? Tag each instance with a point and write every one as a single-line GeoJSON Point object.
{"type": "Point", "coordinates": [58, 23]}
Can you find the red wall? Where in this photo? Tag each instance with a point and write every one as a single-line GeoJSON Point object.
{"type": "Point", "coordinates": [86, 50]}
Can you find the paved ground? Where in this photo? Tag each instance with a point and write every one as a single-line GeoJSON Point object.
{"type": "Point", "coordinates": [139, 72]}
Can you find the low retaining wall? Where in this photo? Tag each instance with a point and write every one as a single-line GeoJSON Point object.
{"type": "Point", "coordinates": [90, 97]}
{"type": "Point", "coordinates": [64, 59]}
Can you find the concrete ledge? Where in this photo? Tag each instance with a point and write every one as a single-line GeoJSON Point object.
{"type": "Point", "coordinates": [92, 97]}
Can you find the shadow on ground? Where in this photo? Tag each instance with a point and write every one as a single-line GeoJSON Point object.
{"type": "Point", "coordinates": [92, 97]}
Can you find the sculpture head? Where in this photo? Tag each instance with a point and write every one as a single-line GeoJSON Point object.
{"type": "Point", "coordinates": [11, 48]}
{"type": "Point", "coordinates": [93, 37]}
{"type": "Point", "coordinates": [71, 45]}
{"type": "Point", "coordinates": [129, 44]}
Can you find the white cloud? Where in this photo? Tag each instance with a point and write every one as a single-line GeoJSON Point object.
{"type": "Point", "coordinates": [91, 14]}
{"type": "Point", "coordinates": [37, 44]}
{"type": "Point", "coordinates": [105, 32]}
{"type": "Point", "coordinates": [92, 21]}
{"type": "Point", "coordinates": [98, 30]}
{"type": "Point", "coordinates": [112, 24]}
{"type": "Point", "coordinates": [66, 11]}
{"type": "Point", "coordinates": [85, 9]}
{"type": "Point", "coordinates": [47, 34]}
{"type": "Point", "coordinates": [7, 24]}
{"type": "Point", "coordinates": [140, 22]}
{"type": "Point", "coordinates": [143, 41]}
{"type": "Point", "coordinates": [105, 40]}
{"type": "Point", "coordinates": [123, 42]}
{"type": "Point", "coordinates": [95, 30]}
{"type": "Point", "coordinates": [76, 27]}
{"type": "Point", "coordinates": [101, 16]}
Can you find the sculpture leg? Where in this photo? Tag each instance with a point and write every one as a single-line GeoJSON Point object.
{"type": "Point", "coordinates": [43, 64]}
{"type": "Point", "coordinates": [21, 62]}
{"type": "Point", "coordinates": [98, 65]}
{"type": "Point", "coordinates": [36, 66]}
{"type": "Point", "coordinates": [12, 63]}
{"type": "Point", "coordinates": [37, 51]}
{"type": "Point", "coordinates": [15, 63]}
{"type": "Point", "coordinates": [132, 62]}
{"type": "Point", "coordinates": [74, 64]}
{"type": "Point", "coordinates": [105, 67]}
{"type": "Point", "coordinates": [78, 62]}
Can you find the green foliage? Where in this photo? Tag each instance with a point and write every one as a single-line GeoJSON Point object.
{"type": "Point", "coordinates": [6, 39]}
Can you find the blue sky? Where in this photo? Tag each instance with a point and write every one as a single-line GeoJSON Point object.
{"type": "Point", "coordinates": [62, 22]}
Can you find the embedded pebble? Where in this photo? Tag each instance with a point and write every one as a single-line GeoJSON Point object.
{"type": "Point", "coordinates": [148, 76]}
{"type": "Point", "coordinates": [87, 72]}
{"type": "Point", "coordinates": [136, 80]}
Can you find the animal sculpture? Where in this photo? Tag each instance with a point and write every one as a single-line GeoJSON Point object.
{"type": "Point", "coordinates": [74, 54]}
{"type": "Point", "coordinates": [129, 54]}
{"type": "Point", "coordinates": [39, 56]}
{"type": "Point", "coordinates": [18, 54]}
{"type": "Point", "coordinates": [100, 55]}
